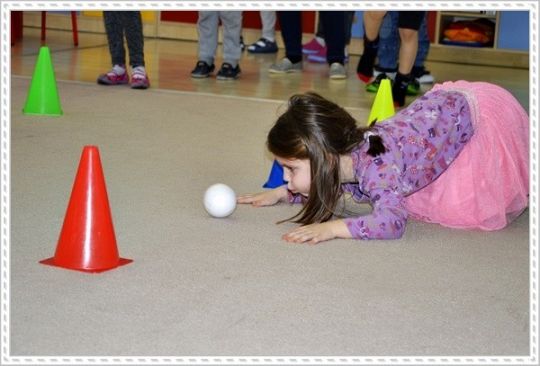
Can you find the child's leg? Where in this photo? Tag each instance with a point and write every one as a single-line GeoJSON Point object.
{"type": "Point", "coordinates": [115, 36]}
{"type": "Point", "coordinates": [372, 24]}
{"type": "Point", "coordinates": [409, 23]}
{"type": "Point", "coordinates": [349, 18]}
{"type": "Point", "coordinates": [134, 36]}
{"type": "Point", "coordinates": [334, 35]}
{"type": "Point", "coordinates": [423, 44]}
{"type": "Point", "coordinates": [232, 27]}
{"type": "Point", "coordinates": [320, 29]}
{"type": "Point", "coordinates": [388, 43]}
{"type": "Point", "coordinates": [291, 31]}
{"type": "Point", "coordinates": [207, 27]}
{"type": "Point", "coordinates": [268, 19]}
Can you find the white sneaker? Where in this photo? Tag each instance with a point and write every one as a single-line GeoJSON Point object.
{"type": "Point", "coordinates": [337, 71]}
{"type": "Point", "coordinates": [285, 66]}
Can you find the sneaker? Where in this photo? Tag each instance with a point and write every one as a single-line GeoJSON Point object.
{"type": "Point", "coordinates": [390, 73]}
{"type": "Point", "coordinates": [202, 70]}
{"type": "Point", "coordinates": [373, 87]}
{"type": "Point", "coordinates": [139, 79]}
{"type": "Point", "coordinates": [414, 87]}
{"type": "Point", "coordinates": [228, 72]}
{"type": "Point", "coordinates": [422, 75]}
{"type": "Point", "coordinates": [263, 45]}
{"type": "Point", "coordinates": [337, 71]}
{"type": "Point", "coordinates": [365, 67]}
{"type": "Point", "coordinates": [285, 66]}
{"type": "Point", "coordinates": [312, 47]}
{"type": "Point", "coordinates": [399, 91]}
{"type": "Point", "coordinates": [319, 56]}
{"type": "Point", "coordinates": [113, 77]}
{"type": "Point", "coordinates": [242, 44]}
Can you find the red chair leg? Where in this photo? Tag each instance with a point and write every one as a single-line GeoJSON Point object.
{"type": "Point", "coordinates": [74, 28]}
{"type": "Point", "coordinates": [43, 24]}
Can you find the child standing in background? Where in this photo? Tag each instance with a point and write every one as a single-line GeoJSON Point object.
{"type": "Point", "coordinates": [457, 156]}
{"type": "Point", "coordinates": [117, 25]}
{"type": "Point", "coordinates": [208, 29]}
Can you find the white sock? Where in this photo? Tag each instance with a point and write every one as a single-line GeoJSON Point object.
{"type": "Point", "coordinates": [118, 70]}
{"type": "Point", "coordinates": [321, 41]}
{"type": "Point", "coordinates": [139, 70]}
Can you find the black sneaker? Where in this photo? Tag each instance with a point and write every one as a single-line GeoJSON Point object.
{"type": "Point", "coordinates": [227, 72]}
{"type": "Point", "coordinates": [364, 70]}
{"type": "Point", "coordinates": [399, 89]}
{"type": "Point", "coordinates": [373, 87]}
{"type": "Point", "coordinates": [414, 87]}
{"type": "Point", "coordinates": [422, 75]}
{"type": "Point", "coordinates": [263, 46]}
{"type": "Point", "coordinates": [202, 70]}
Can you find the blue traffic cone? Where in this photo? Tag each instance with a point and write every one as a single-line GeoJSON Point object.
{"type": "Point", "coordinates": [276, 177]}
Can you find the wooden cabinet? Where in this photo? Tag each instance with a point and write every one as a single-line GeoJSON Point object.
{"type": "Point", "coordinates": [510, 46]}
{"type": "Point", "coordinates": [482, 18]}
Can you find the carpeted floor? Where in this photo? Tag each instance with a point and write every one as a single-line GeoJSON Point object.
{"type": "Point", "coordinates": [204, 286]}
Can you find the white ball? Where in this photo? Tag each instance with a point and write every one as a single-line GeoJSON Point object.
{"type": "Point", "coordinates": [219, 200]}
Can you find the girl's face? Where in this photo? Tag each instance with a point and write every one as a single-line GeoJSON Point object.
{"type": "Point", "coordinates": [297, 173]}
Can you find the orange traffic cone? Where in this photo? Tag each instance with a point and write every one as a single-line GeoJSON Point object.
{"type": "Point", "coordinates": [87, 242]}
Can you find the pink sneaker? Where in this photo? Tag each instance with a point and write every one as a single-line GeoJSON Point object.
{"type": "Point", "coordinates": [139, 80]}
{"type": "Point", "coordinates": [312, 47]}
{"type": "Point", "coordinates": [112, 78]}
{"type": "Point", "coordinates": [319, 56]}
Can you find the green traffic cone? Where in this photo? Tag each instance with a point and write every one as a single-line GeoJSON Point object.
{"type": "Point", "coordinates": [43, 96]}
{"type": "Point", "coordinates": [383, 105]}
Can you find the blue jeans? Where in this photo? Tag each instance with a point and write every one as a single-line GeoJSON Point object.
{"type": "Point", "coordinates": [389, 43]}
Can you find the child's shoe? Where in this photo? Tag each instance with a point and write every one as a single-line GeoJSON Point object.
{"type": "Point", "coordinates": [373, 87]}
{"type": "Point", "coordinates": [399, 89]}
{"type": "Point", "coordinates": [202, 70]}
{"type": "Point", "coordinates": [390, 72]}
{"type": "Point", "coordinates": [263, 45]}
{"type": "Point", "coordinates": [116, 76]}
{"type": "Point", "coordinates": [414, 87]}
{"type": "Point", "coordinates": [337, 71]}
{"type": "Point", "coordinates": [139, 79]}
{"type": "Point", "coordinates": [228, 72]}
{"type": "Point", "coordinates": [422, 75]}
{"type": "Point", "coordinates": [312, 47]}
{"type": "Point", "coordinates": [285, 66]}
{"type": "Point", "coordinates": [319, 56]}
{"type": "Point", "coordinates": [364, 69]}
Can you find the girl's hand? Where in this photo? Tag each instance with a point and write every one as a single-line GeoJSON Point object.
{"type": "Point", "coordinates": [267, 198]}
{"type": "Point", "coordinates": [316, 233]}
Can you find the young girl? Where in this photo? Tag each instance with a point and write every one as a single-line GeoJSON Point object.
{"type": "Point", "coordinates": [457, 156]}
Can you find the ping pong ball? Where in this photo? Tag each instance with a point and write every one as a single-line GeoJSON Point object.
{"type": "Point", "coordinates": [219, 200]}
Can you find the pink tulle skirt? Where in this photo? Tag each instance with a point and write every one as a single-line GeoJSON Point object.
{"type": "Point", "coordinates": [487, 186]}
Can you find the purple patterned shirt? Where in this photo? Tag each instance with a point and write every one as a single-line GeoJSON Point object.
{"type": "Point", "coordinates": [421, 141]}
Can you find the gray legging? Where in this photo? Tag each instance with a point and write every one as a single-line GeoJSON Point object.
{"type": "Point", "coordinates": [129, 24]}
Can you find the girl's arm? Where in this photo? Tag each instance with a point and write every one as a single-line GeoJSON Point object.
{"type": "Point", "coordinates": [316, 233]}
{"type": "Point", "coordinates": [387, 220]}
{"type": "Point", "coordinates": [266, 198]}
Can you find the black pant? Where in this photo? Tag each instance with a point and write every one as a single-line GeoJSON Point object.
{"type": "Point", "coordinates": [349, 18]}
{"type": "Point", "coordinates": [129, 24]}
{"type": "Point", "coordinates": [332, 21]}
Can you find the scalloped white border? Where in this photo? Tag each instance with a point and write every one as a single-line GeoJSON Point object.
{"type": "Point", "coordinates": [5, 149]}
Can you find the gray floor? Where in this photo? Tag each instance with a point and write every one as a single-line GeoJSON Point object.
{"type": "Point", "coordinates": [203, 286]}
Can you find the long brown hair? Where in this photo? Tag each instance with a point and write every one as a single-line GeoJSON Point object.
{"type": "Point", "coordinates": [317, 129]}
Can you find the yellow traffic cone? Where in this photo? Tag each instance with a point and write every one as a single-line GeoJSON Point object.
{"type": "Point", "coordinates": [43, 96]}
{"type": "Point", "coordinates": [383, 105]}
